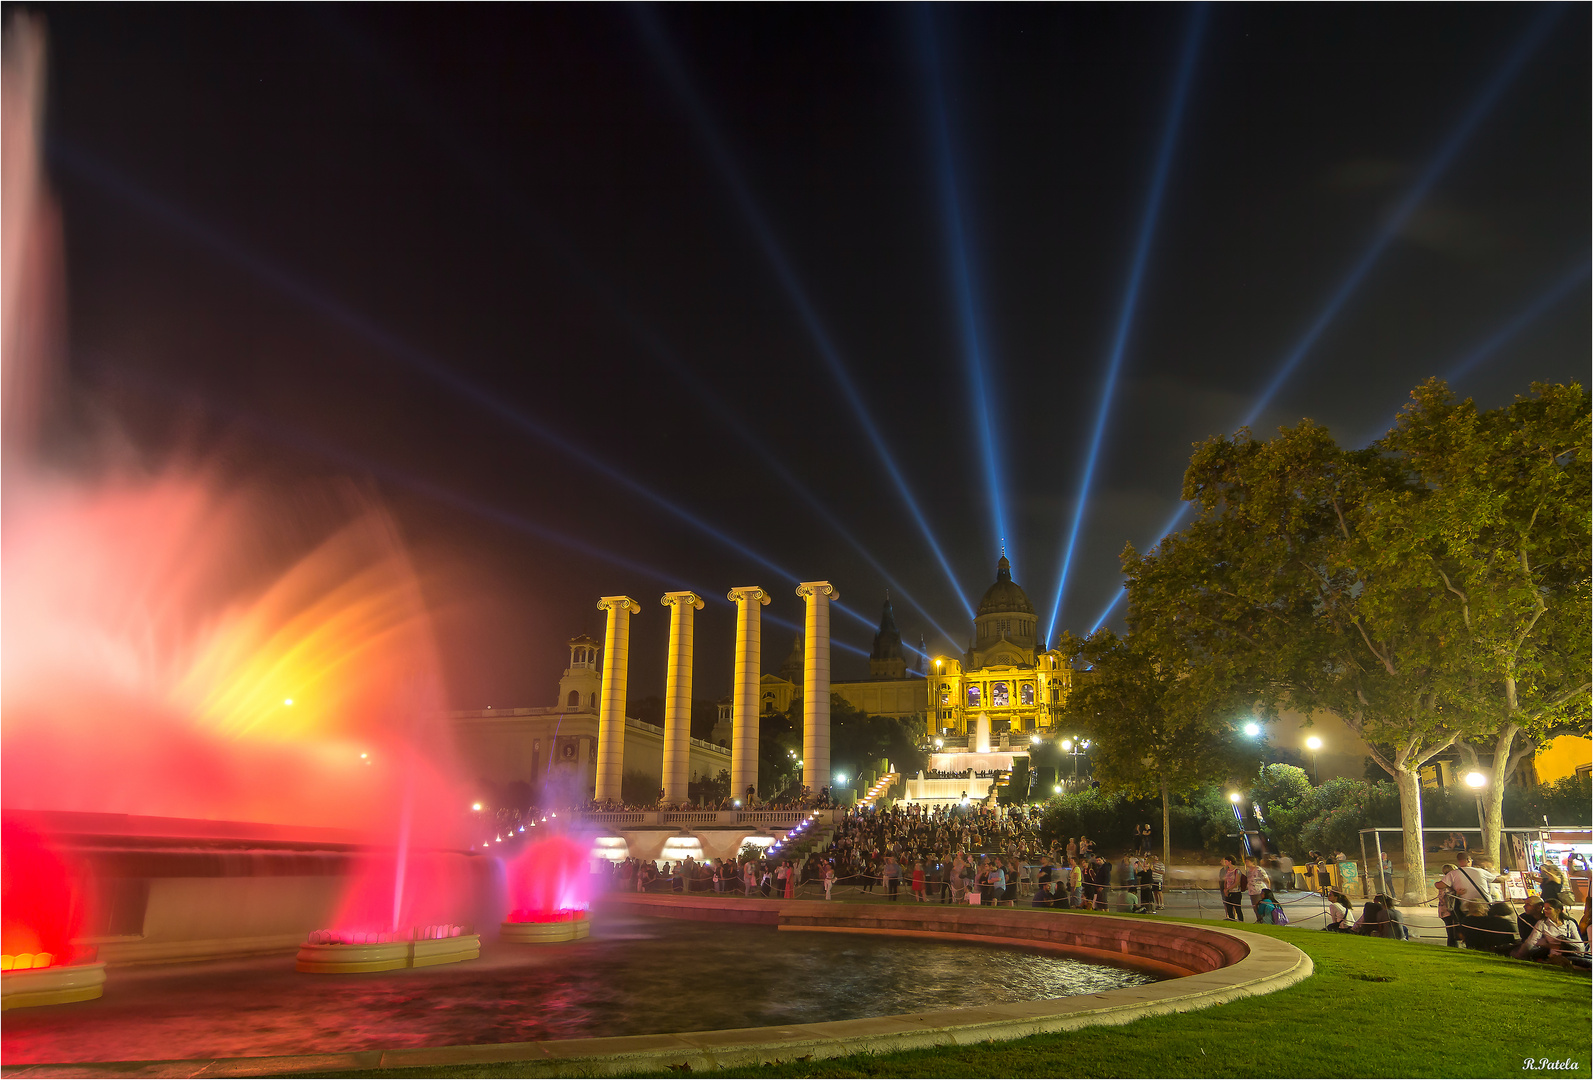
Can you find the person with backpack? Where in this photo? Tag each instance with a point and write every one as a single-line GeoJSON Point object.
{"type": "Point", "coordinates": [1268, 910]}
{"type": "Point", "coordinates": [1229, 884]}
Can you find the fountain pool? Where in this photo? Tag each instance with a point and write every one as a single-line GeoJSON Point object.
{"type": "Point", "coordinates": [634, 975]}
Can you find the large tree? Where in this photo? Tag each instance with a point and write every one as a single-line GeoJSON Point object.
{"type": "Point", "coordinates": [1429, 589]}
{"type": "Point", "coordinates": [1493, 519]}
{"type": "Point", "coordinates": [1154, 724]}
{"type": "Point", "coordinates": [1275, 591]}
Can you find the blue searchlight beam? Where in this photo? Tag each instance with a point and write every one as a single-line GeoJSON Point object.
{"type": "Point", "coordinates": [1136, 277]}
{"type": "Point", "coordinates": [675, 75]}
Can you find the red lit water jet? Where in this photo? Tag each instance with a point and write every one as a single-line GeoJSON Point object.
{"type": "Point", "coordinates": [40, 910]}
{"type": "Point", "coordinates": [549, 892]}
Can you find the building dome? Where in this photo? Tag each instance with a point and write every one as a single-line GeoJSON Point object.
{"type": "Point", "coordinates": [1005, 595]}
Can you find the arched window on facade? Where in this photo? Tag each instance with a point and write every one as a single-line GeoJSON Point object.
{"type": "Point", "coordinates": [575, 698]}
{"type": "Point", "coordinates": [593, 702]}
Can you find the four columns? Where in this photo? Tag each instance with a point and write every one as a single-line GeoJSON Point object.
{"type": "Point", "coordinates": [816, 685]}
{"type": "Point", "coordinates": [745, 699]}
{"type": "Point", "coordinates": [677, 694]}
{"type": "Point", "coordinates": [611, 701]}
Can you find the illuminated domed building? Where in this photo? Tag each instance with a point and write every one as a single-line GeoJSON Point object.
{"type": "Point", "coordinates": [1007, 678]}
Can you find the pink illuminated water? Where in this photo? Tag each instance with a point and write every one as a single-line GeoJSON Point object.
{"type": "Point", "coordinates": [548, 881]}
{"type": "Point", "coordinates": [179, 645]}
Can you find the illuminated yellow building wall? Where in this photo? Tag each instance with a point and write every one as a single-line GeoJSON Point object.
{"type": "Point", "coordinates": [1565, 756]}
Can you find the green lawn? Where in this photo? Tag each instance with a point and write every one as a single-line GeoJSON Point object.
{"type": "Point", "coordinates": [1372, 1008]}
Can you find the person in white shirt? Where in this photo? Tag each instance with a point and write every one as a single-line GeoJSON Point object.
{"type": "Point", "coordinates": [1555, 935]}
{"type": "Point", "coordinates": [1464, 882]}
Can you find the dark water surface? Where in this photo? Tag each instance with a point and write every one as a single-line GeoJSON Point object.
{"type": "Point", "coordinates": [633, 976]}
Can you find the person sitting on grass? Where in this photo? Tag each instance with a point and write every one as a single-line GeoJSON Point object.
{"type": "Point", "coordinates": [1374, 921]}
{"type": "Point", "coordinates": [1531, 912]}
{"type": "Point", "coordinates": [1338, 912]}
{"type": "Point", "coordinates": [1401, 931]}
{"type": "Point", "coordinates": [1554, 938]}
{"type": "Point", "coordinates": [1488, 928]}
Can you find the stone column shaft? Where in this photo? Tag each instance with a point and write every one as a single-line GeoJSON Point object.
{"type": "Point", "coordinates": [611, 701]}
{"type": "Point", "coordinates": [683, 607]}
{"type": "Point", "coordinates": [816, 685]}
{"type": "Point", "coordinates": [749, 601]}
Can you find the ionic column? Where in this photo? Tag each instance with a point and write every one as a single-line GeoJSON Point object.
{"type": "Point", "coordinates": [611, 702]}
{"type": "Point", "coordinates": [744, 695]}
{"type": "Point", "coordinates": [816, 685]}
{"type": "Point", "coordinates": [677, 694]}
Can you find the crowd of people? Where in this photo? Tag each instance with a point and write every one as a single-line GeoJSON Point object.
{"type": "Point", "coordinates": [990, 855]}
{"type": "Point", "coordinates": [1474, 915]}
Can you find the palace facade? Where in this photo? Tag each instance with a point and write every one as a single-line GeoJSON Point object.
{"type": "Point", "coordinates": [1006, 674]}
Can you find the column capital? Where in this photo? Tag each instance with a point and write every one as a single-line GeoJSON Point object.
{"type": "Point", "coordinates": [671, 599]}
{"type": "Point", "coordinates": [616, 603]}
{"type": "Point", "coordinates": [818, 588]}
{"type": "Point", "coordinates": [749, 593]}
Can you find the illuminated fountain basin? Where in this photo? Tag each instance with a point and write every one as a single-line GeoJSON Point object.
{"type": "Point", "coordinates": [48, 984]}
{"type": "Point", "coordinates": [331, 952]}
{"type": "Point", "coordinates": [40, 914]}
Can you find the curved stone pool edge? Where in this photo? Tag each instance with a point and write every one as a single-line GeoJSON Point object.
{"type": "Point", "coordinates": [1203, 965]}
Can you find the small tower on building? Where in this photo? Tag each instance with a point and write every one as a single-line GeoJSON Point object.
{"type": "Point", "coordinates": [582, 679]}
{"type": "Point", "coordinates": [886, 660]}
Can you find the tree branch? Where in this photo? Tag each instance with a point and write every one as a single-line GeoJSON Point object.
{"type": "Point", "coordinates": [1465, 604]}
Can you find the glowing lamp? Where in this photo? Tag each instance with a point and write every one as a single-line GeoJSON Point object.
{"type": "Point", "coordinates": [1252, 729]}
{"type": "Point", "coordinates": [476, 807]}
{"type": "Point", "coordinates": [1233, 797]}
{"type": "Point", "coordinates": [1313, 743]}
{"type": "Point", "coordinates": [1067, 744]}
{"type": "Point", "coordinates": [1476, 780]}
{"type": "Point", "coordinates": [1035, 739]}
{"type": "Point", "coordinates": [1057, 789]}
{"type": "Point", "coordinates": [288, 702]}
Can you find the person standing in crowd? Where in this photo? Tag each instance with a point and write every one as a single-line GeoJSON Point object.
{"type": "Point", "coordinates": [1158, 879]}
{"type": "Point", "coordinates": [1256, 883]}
{"type": "Point", "coordinates": [829, 878]}
{"type": "Point", "coordinates": [918, 882]}
{"type": "Point", "coordinates": [1228, 879]}
{"type": "Point", "coordinates": [892, 874]}
{"type": "Point", "coordinates": [1073, 849]}
{"type": "Point", "coordinates": [1550, 879]}
{"type": "Point", "coordinates": [1386, 871]}
{"type": "Point", "coordinates": [791, 872]}
{"type": "Point", "coordinates": [1142, 834]}
{"type": "Point", "coordinates": [1464, 882]}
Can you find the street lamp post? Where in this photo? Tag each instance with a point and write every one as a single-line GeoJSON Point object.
{"type": "Point", "coordinates": [1476, 781]}
{"type": "Point", "coordinates": [1314, 744]}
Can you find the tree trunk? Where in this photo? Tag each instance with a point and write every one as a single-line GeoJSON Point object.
{"type": "Point", "coordinates": [1409, 781]}
{"type": "Point", "coordinates": [1493, 797]}
{"type": "Point", "coordinates": [1167, 832]}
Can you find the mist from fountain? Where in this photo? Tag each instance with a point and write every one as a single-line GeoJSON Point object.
{"type": "Point", "coordinates": [180, 643]}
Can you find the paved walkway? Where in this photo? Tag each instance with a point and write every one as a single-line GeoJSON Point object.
{"type": "Point", "coordinates": [1190, 894]}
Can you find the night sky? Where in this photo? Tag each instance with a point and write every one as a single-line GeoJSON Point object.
{"type": "Point", "coordinates": [537, 274]}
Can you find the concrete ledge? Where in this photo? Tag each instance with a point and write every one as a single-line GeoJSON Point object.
{"type": "Point", "coordinates": [1220, 965]}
